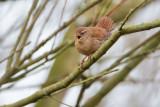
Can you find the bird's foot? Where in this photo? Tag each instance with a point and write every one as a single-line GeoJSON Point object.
{"type": "Point", "coordinates": [89, 57]}
{"type": "Point", "coordinates": [81, 64]}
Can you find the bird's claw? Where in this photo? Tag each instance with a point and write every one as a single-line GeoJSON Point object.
{"type": "Point", "coordinates": [89, 57]}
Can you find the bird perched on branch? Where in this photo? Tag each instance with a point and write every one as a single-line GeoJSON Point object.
{"type": "Point", "coordinates": [89, 39]}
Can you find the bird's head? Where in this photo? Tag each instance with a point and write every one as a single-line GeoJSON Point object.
{"type": "Point", "coordinates": [81, 33]}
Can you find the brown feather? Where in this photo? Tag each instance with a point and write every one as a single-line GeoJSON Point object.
{"type": "Point", "coordinates": [99, 33]}
{"type": "Point", "coordinates": [106, 23]}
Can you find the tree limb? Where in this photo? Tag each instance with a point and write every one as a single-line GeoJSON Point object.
{"type": "Point", "coordinates": [99, 53]}
{"type": "Point", "coordinates": [117, 78]}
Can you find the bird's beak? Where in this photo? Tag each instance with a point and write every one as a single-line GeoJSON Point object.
{"type": "Point", "coordinates": [77, 36]}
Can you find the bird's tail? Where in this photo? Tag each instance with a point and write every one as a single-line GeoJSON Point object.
{"type": "Point", "coordinates": [106, 23]}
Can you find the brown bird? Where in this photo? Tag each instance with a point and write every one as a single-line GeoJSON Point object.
{"type": "Point", "coordinates": [89, 39]}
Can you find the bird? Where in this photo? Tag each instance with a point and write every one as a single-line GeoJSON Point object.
{"type": "Point", "coordinates": [89, 39]}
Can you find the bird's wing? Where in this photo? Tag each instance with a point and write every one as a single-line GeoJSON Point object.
{"type": "Point", "coordinates": [100, 33]}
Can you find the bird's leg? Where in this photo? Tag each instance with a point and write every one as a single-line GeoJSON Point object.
{"type": "Point", "coordinates": [89, 57]}
{"type": "Point", "coordinates": [82, 62]}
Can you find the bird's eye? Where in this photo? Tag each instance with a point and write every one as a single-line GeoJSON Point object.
{"type": "Point", "coordinates": [83, 32]}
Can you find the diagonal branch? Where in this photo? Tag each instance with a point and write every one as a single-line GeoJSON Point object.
{"type": "Point", "coordinates": [28, 31]}
{"type": "Point", "coordinates": [99, 53]}
{"type": "Point", "coordinates": [110, 13]}
{"type": "Point", "coordinates": [45, 22]}
{"type": "Point", "coordinates": [58, 30]}
{"type": "Point", "coordinates": [130, 13]}
{"type": "Point", "coordinates": [117, 78]}
{"type": "Point", "coordinates": [11, 54]}
{"type": "Point", "coordinates": [118, 62]}
{"type": "Point", "coordinates": [7, 75]}
{"type": "Point", "coordinates": [20, 35]}
{"type": "Point", "coordinates": [67, 45]}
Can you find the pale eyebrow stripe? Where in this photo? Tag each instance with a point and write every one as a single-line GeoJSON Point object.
{"type": "Point", "coordinates": [84, 31]}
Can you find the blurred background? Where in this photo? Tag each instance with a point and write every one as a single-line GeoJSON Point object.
{"type": "Point", "coordinates": [139, 89]}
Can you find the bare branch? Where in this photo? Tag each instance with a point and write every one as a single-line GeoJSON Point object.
{"type": "Point", "coordinates": [14, 52]}
{"type": "Point", "coordinates": [27, 32]}
{"type": "Point", "coordinates": [45, 22]}
{"type": "Point", "coordinates": [59, 29]}
{"type": "Point", "coordinates": [20, 35]}
{"type": "Point", "coordinates": [118, 77]}
{"type": "Point", "coordinates": [130, 13]}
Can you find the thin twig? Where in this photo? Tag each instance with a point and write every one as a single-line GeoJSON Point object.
{"type": "Point", "coordinates": [120, 76]}
{"type": "Point", "coordinates": [102, 12]}
{"type": "Point", "coordinates": [130, 13]}
{"type": "Point", "coordinates": [45, 22]}
{"type": "Point", "coordinates": [80, 95]}
{"type": "Point", "coordinates": [105, 4]}
{"type": "Point", "coordinates": [140, 55]}
{"type": "Point", "coordinates": [61, 49]}
{"type": "Point", "coordinates": [110, 13]}
{"type": "Point", "coordinates": [15, 68]}
{"type": "Point", "coordinates": [37, 66]}
{"type": "Point", "coordinates": [14, 52]}
{"type": "Point", "coordinates": [44, 56]}
{"type": "Point", "coordinates": [8, 87]}
{"type": "Point", "coordinates": [117, 62]}
{"type": "Point", "coordinates": [27, 33]}
{"type": "Point", "coordinates": [58, 30]}
{"type": "Point", "coordinates": [84, 81]}
{"type": "Point", "coordinates": [59, 101]}
{"type": "Point", "coordinates": [21, 34]}
{"type": "Point", "coordinates": [99, 53]}
{"type": "Point", "coordinates": [21, 76]}
{"type": "Point", "coordinates": [59, 23]}
{"type": "Point", "coordinates": [41, 8]}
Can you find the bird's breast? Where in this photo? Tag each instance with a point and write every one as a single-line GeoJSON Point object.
{"type": "Point", "coordinates": [88, 46]}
